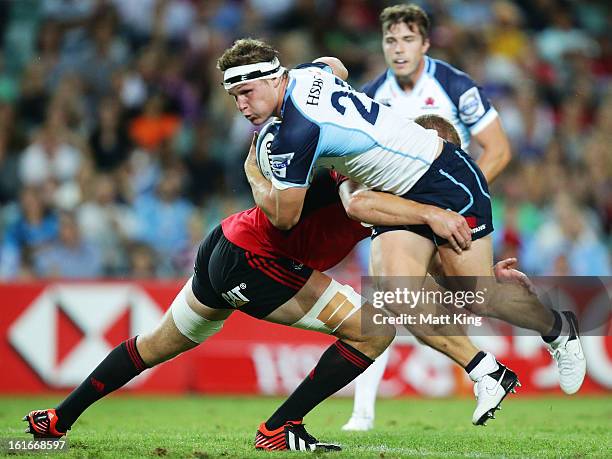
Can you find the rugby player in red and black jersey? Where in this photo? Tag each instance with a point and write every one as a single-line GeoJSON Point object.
{"type": "Point", "coordinates": [246, 264]}
{"type": "Point", "coordinates": [249, 265]}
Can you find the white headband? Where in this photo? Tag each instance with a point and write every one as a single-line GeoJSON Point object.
{"type": "Point", "coordinates": [251, 72]}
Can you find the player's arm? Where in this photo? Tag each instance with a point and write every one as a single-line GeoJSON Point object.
{"type": "Point", "coordinates": [384, 209]}
{"type": "Point", "coordinates": [496, 152]}
{"type": "Point", "coordinates": [282, 207]}
{"type": "Point", "coordinates": [336, 65]}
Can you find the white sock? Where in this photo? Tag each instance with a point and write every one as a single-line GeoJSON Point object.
{"type": "Point", "coordinates": [487, 365]}
{"type": "Point", "coordinates": [366, 387]}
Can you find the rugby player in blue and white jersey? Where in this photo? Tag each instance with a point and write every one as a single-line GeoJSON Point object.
{"type": "Point", "coordinates": [323, 122]}
{"type": "Point", "coordinates": [414, 85]}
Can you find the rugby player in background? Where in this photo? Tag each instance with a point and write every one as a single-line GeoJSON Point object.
{"type": "Point", "coordinates": [414, 85]}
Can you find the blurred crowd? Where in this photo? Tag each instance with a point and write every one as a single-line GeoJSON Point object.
{"type": "Point", "coordinates": [119, 149]}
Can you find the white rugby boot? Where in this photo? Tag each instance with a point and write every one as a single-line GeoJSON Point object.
{"type": "Point", "coordinates": [566, 350]}
{"type": "Point", "coordinates": [493, 381]}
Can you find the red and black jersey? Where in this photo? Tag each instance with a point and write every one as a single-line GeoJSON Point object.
{"type": "Point", "coordinates": [323, 236]}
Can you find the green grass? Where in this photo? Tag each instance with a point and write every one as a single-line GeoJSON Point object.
{"type": "Point", "coordinates": [203, 427]}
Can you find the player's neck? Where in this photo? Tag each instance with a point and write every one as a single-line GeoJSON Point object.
{"type": "Point", "coordinates": [408, 82]}
{"type": "Point", "coordinates": [281, 99]}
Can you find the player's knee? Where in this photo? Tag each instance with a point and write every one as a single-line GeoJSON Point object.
{"type": "Point", "coordinates": [380, 336]}
{"type": "Point", "coordinates": [180, 330]}
{"type": "Point", "coordinates": [188, 323]}
{"type": "Point", "coordinates": [379, 343]}
{"type": "Point", "coordinates": [154, 348]}
{"type": "Point", "coordinates": [336, 308]}
{"type": "Point", "coordinates": [485, 305]}
{"type": "Point", "coordinates": [370, 345]}
{"type": "Point", "coordinates": [338, 312]}
{"type": "Point", "coordinates": [372, 341]}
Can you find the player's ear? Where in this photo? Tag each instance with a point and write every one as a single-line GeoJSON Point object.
{"type": "Point", "coordinates": [426, 44]}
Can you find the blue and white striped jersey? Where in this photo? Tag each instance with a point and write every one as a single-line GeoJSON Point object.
{"type": "Point", "coordinates": [441, 90]}
{"type": "Point", "coordinates": [325, 123]}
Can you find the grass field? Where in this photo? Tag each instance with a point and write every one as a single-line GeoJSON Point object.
{"type": "Point", "coordinates": [203, 427]}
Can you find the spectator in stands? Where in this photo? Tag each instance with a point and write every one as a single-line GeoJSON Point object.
{"type": "Point", "coordinates": [109, 141]}
{"type": "Point", "coordinates": [154, 126]}
{"type": "Point", "coordinates": [568, 237]}
{"type": "Point", "coordinates": [182, 96]}
{"type": "Point", "coordinates": [70, 255]}
{"type": "Point", "coordinates": [49, 157]}
{"type": "Point", "coordinates": [104, 53]}
{"type": "Point", "coordinates": [49, 52]}
{"type": "Point", "coordinates": [67, 112]}
{"type": "Point", "coordinates": [164, 217]}
{"type": "Point", "coordinates": [506, 37]}
{"type": "Point", "coordinates": [107, 223]}
{"type": "Point", "coordinates": [33, 97]}
{"type": "Point", "coordinates": [205, 172]}
{"type": "Point", "coordinates": [528, 121]}
{"type": "Point", "coordinates": [142, 261]}
{"type": "Point", "coordinates": [35, 226]}
{"type": "Point", "coordinates": [561, 38]}
{"type": "Point", "coordinates": [9, 147]}
{"type": "Point", "coordinates": [184, 259]}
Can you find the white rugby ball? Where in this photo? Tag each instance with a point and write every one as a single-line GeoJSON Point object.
{"type": "Point", "coordinates": [264, 143]}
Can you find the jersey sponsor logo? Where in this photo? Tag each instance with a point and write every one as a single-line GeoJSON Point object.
{"type": "Point", "coordinates": [429, 104]}
{"type": "Point", "coordinates": [315, 92]}
{"type": "Point", "coordinates": [472, 222]}
{"type": "Point", "coordinates": [471, 108]}
{"type": "Point", "coordinates": [279, 163]}
{"type": "Point", "coordinates": [235, 297]}
{"type": "Point", "coordinates": [297, 266]}
{"type": "Point", "coordinates": [478, 229]}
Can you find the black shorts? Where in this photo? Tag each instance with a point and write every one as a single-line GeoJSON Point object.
{"type": "Point", "coordinates": [453, 181]}
{"type": "Point", "coordinates": [229, 277]}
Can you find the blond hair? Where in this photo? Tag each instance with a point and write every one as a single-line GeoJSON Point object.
{"type": "Point", "coordinates": [445, 129]}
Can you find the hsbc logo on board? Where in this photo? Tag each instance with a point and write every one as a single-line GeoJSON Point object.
{"type": "Point", "coordinates": [69, 328]}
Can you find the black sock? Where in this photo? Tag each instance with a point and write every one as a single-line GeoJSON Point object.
{"type": "Point", "coordinates": [556, 329]}
{"type": "Point", "coordinates": [338, 366]}
{"type": "Point", "coordinates": [475, 361]}
{"type": "Point", "coordinates": [120, 366]}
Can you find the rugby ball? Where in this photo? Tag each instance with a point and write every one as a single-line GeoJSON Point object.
{"type": "Point", "coordinates": [264, 144]}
